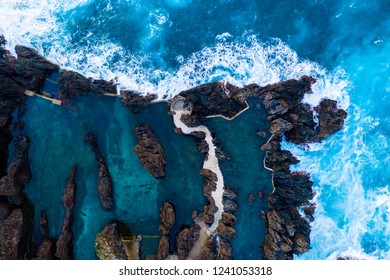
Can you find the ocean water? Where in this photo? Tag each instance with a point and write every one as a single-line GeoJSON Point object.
{"type": "Point", "coordinates": [169, 45]}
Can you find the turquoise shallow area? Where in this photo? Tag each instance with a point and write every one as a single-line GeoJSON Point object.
{"type": "Point", "coordinates": [57, 143]}
{"type": "Point", "coordinates": [245, 172]}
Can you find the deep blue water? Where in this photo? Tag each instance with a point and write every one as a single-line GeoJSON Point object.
{"type": "Point", "coordinates": [171, 45]}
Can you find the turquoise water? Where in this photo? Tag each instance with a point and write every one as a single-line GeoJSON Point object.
{"type": "Point", "coordinates": [57, 136]}
{"type": "Point", "coordinates": [165, 46]}
{"type": "Point", "coordinates": [246, 174]}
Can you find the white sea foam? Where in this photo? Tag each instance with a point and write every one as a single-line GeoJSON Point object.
{"type": "Point", "coordinates": [241, 60]}
{"type": "Point", "coordinates": [349, 213]}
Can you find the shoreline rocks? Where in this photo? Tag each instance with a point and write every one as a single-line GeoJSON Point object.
{"type": "Point", "coordinates": [14, 229]}
{"type": "Point", "coordinates": [288, 233]}
{"type": "Point", "coordinates": [104, 179]}
{"type": "Point", "coordinates": [149, 151]}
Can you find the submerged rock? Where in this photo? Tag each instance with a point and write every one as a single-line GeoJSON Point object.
{"type": "Point", "coordinates": [109, 245]}
{"type": "Point", "coordinates": [149, 151]}
{"type": "Point", "coordinates": [104, 179]}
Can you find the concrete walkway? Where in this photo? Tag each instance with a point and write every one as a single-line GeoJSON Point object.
{"type": "Point", "coordinates": [211, 163]}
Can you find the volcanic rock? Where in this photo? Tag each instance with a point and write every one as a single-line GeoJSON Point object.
{"type": "Point", "coordinates": [149, 151]}
{"type": "Point", "coordinates": [104, 179]}
{"type": "Point", "coordinates": [64, 243]}
{"type": "Point", "coordinates": [109, 245]}
{"type": "Point", "coordinates": [135, 101]}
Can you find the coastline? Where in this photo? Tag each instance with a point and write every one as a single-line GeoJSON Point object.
{"type": "Point", "coordinates": [75, 85]}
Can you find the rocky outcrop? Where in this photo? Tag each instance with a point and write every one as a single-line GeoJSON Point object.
{"type": "Point", "coordinates": [11, 235]}
{"type": "Point", "coordinates": [288, 232]}
{"type": "Point", "coordinates": [19, 172]}
{"type": "Point", "coordinates": [330, 118]}
{"type": "Point", "coordinates": [46, 248]}
{"type": "Point", "coordinates": [72, 84]}
{"type": "Point", "coordinates": [135, 101]}
{"type": "Point", "coordinates": [185, 240]}
{"type": "Point", "coordinates": [104, 179]}
{"type": "Point", "coordinates": [167, 216]}
{"type": "Point", "coordinates": [14, 234]}
{"type": "Point", "coordinates": [226, 231]}
{"type": "Point", "coordinates": [64, 243]}
{"type": "Point", "coordinates": [109, 245]}
{"type": "Point", "coordinates": [149, 151]}
{"type": "Point", "coordinates": [214, 99]}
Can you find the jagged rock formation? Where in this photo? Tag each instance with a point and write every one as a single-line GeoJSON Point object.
{"type": "Point", "coordinates": [14, 238]}
{"type": "Point", "coordinates": [149, 151]}
{"type": "Point", "coordinates": [288, 232]}
{"type": "Point", "coordinates": [72, 84]}
{"type": "Point", "coordinates": [46, 248]}
{"type": "Point", "coordinates": [213, 99]}
{"type": "Point", "coordinates": [109, 245]}
{"type": "Point", "coordinates": [26, 72]}
{"type": "Point", "coordinates": [135, 101]}
{"type": "Point", "coordinates": [185, 240]}
{"type": "Point", "coordinates": [167, 216]}
{"type": "Point", "coordinates": [104, 179]}
{"type": "Point", "coordinates": [64, 243]}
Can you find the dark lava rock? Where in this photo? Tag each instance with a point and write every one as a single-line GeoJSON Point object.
{"type": "Point", "coordinates": [109, 245]}
{"type": "Point", "coordinates": [64, 243]}
{"type": "Point", "coordinates": [167, 215]}
{"type": "Point", "coordinates": [163, 248]}
{"type": "Point", "coordinates": [4, 211]}
{"type": "Point", "coordinates": [135, 101]}
{"type": "Point", "coordinates": [11, 234]}
{"type": "Point", "coordinates": [72, 84]}
{"type": "Point", "coordinates": [215, 99]}
{"type": "Point", "coordinates": [31, 68]}
{"type": "Point", "coordinates": [19, 172]}
{"type": "Point", "coordinates": [104, 179]}
{"type": "Point", "coordinates": [210, 250]}
{"type": "Point", "coordinates": [43, 226]}
{"type": "Point", "coordinates": [45, 250]}
{"type": "Point", "coordinates": [185, 240]}
{"type": "Point", "coordinates": [287, 232]}
{"type": "Point", "coordinates": [330, 118]}
{"type": "Point", "coordinates": [149, 151]}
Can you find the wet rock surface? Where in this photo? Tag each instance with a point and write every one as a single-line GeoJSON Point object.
{"type": "Point", "coordinates": [135, 101]}
{"type": "Point", "coordinates": [215, 99]}
{"type": "Point", "coordinates": [64, 250]}
{"type": "Point", "coordinates": [109, 245]}
{"type": "Point", "coordinates": [185, 240]}
{"type": "Point", "coordinates": [288, 233]}
{"type": "Point", "coordinates": [72, 84]}
{"type": "Point", "coordinates": [14, 236]}
{"type": "Point", "coordinates": [104, 179]}
{"type": "Point", "coordinates": [149, 151]}
{"type": "Point", "coordinates": [167, 216]}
